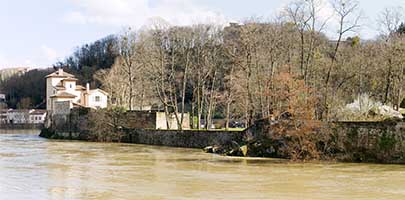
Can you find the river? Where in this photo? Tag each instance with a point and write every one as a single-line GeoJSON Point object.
{"type": "Point", "coordinates": [36, 168]}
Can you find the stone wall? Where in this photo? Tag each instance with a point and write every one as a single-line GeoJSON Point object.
{"type": "Point", "coordinates": [140, 119]}
{"type": "Point", "coordinates": [382, 142]}
{"type": "Point", "coordinates": [185, 138]}
{"type": "Point", "coordinates": [370, 141]}
{"type": "Point", "coordinates": [379, 142]}
{"type": "Point", "coordinates": [75, 126]}
{"type": "Point", "coordinates": [71, 125]}
{"type": "Point", "coordinates": [152, 120]}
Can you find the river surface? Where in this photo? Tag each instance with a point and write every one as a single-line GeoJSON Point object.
{"type": "Point", "coordinates": [36, 168]}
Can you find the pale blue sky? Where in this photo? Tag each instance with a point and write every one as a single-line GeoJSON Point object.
{"type": "Point", "coordinates": [37, 33]}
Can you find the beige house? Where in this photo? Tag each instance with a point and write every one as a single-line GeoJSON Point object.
{"type": "Point", "coordinates": [62, 87]}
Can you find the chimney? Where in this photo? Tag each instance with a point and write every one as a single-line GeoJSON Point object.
{"type": "Point", "coordinates": [60, 71]}
{"type": "Point", "coordinates": [87, 87]}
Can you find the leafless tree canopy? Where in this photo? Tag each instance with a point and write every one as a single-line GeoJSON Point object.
{"type": "Point", "coordinates": [259, 69]}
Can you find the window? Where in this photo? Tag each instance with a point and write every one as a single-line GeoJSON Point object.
{"type": "Point", "coordinates": [71, 86]}
{"type": "Point", "coordinates": [97, 99]}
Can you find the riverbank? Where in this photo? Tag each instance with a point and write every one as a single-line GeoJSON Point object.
{"type": "Point", "coordinates": [376, 142]}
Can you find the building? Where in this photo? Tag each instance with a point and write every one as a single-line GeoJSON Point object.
{"type": "Point", "coordinates": [2, 98]}
{"type": "Point", "coordinates": [3, 116]}
{"type": "Point", "coordinates": [62, 87]}
{"type": "Point", "coordinates": [3, 104]}
{"type": "Point", "coordinates": [17, 116]}
{"type": "Point", "coordinates": [10, 116]}
{"type": "Point", "coordinates": [37, 117]}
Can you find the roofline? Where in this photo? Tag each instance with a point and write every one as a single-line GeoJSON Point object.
{"type": "Point", "coordinates": [102, 91]}
{"type": "Point", "coordinates": [69, 79]}
{"type": "Point", "coordinates": [63, 97]}
{"type": "Point", "coordinates": [59, 76]}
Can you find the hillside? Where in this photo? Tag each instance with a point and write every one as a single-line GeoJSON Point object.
{"type": "Point", "coordinates": [9, 72]}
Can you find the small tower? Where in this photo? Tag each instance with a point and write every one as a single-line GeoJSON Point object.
{"type": "Point", "coordinates": [53, 81]}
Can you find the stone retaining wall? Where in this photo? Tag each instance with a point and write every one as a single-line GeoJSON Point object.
{"type": "Point", "coordinates": [349, 141]}
{"type": "Point", "coordinates": [185, 138]}
{"type": "Point", "coordinates": [371, 141]}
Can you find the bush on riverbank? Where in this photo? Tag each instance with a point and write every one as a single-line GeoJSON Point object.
{"type": "Point", "coordinates": [290, 139]}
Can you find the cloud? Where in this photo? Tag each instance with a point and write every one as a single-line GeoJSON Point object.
{"type": "Point", "coordinates": [49, 54]}
{"type": "Point", "coordinates": [136, 13]}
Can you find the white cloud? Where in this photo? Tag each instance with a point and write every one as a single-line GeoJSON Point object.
{"type": "Point", "coordinates": [136, 13]}
{"type": "Point", "coordinates": [49, 54]}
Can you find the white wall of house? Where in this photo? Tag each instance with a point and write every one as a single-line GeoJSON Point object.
{"type": "Point", "coordinates": [37, 118]}
{"type": "Point", "coordinates": [3, 116]}
{"type": "Point", "coordinates": [97, 99]}
{"type": "Point", "coordinates": [50, 90]}
{"type": "Point", "coordinates": [18, 117]}
{"type": "Point", "coordinates": [22, 117]}
{"type": "Point", "coordinates": [70, 87]}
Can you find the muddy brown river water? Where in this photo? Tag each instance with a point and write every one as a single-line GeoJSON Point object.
{"type": "Point", "coordinates": [36, 168]}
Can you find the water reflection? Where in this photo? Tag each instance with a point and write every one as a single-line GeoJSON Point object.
{"type": "Point", "coordinates": [35, 168]}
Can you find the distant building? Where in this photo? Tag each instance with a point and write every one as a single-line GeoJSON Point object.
{"type": "Point", "coordinates": [3, 104]}
{"type": "Point", "coordinates": [10, 116]}
{"type": "Point", "coordinates": [3, 116]}
{"type": "Point", "coordinates": [37, 117]}
{"type": "Point", "coordinates": [2, 98]}
{"type": "Point", "coordinates": [18, 116]}
{"type": "Point", "coordinates": [61, 87]}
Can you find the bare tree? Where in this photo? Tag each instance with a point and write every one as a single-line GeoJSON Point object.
{"type": "Point", "coordinates": [128, 60]}
{"type": "Point", "coordinates": [348, 21]}
{"type": "Point", "coordinates": [390, 19]}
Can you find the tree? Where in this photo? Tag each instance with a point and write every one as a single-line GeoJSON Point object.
{"type": "Point", "coordinates": [89, 58]}
{"type": "Point", "coordinates": [401, 29]}
{"type": "Point", "coordinates": [20, 88]}
{"type": "Point", "coordinates": [348, 20]}
{"type": "Point", "coordinates": [390, 20]}
{"type": "Point", "coordinates": [25, 103]}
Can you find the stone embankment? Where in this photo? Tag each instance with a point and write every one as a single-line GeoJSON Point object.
{"type": "Point", "coordinates": [75, 127]}
{"type": "Point", "coordinates": [382, 142]}
{"type": "Point", "coordinates": [377, 142]}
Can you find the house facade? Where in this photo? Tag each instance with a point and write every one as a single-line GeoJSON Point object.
{"type": "Point", "coordinates": [2, 98]}
{"type": "Point", "coordinates": [37, 117]}
{"type": "Point", "coordinates": [11, 116]}
{"type": "Point", "coordinates": [3, 104]}
{"type": "Point", "coordinates": [62, 87]}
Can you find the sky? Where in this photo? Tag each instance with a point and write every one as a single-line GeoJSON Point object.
{"type": "Point", "coordinates": [38, 33]}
